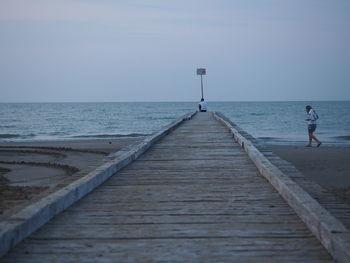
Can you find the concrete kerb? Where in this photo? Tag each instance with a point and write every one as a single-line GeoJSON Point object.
{"type": "Point", "coordinates": [31, 218]}
{"type": "Point", "coordinates": [334, 236]}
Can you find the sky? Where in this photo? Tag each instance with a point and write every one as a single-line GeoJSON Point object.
{"type": "Point", "coordinates": [149, 50]}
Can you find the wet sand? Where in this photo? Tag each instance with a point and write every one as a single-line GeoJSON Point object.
{"type": "Point", "coordinates": [329, 166]}
{"type": "Point", "coordinates": [30, 170]}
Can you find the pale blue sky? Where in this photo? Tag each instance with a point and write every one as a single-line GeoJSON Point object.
{"type": "Point", "coordinates": [104, 50]}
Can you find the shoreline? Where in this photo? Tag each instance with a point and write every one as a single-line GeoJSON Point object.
{"type": "Point", "coordinates": [336, 141]}
{"type": "Point", "coordinates": [327, 141]}
{"type": "Point", "coordinates": [106, 145]}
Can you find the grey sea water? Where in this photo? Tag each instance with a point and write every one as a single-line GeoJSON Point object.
{"type": "Point", "coordinates": [276, 122]}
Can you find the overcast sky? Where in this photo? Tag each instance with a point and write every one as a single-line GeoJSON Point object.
{"type": "Point", "coordinates": [148, 50]}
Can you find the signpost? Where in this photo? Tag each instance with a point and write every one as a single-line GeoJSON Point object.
{"type": "Point", "coordinates": [201, 71]}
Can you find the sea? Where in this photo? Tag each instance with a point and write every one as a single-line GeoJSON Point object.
{"type": "Point", "coordinates": [272, 122]}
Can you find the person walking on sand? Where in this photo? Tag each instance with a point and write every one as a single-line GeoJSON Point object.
{"type": "Point", "coordinates": [203, 106]}
{"type": "Point", "coordinates": [311, 127]}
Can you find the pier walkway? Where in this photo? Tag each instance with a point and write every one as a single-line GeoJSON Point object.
{"type": "Point", "coordinates": [195, 196]}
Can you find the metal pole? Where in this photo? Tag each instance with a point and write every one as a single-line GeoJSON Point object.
{"type": "Point", "coordinates": [202, 86]}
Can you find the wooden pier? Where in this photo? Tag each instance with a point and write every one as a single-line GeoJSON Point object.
{"type": "Point", "coordinates": [195, 196]}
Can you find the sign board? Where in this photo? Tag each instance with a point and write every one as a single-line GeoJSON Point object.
{"type": "Point", "coordinates": [201, 71]}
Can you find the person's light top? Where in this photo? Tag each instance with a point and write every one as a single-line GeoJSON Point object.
{"type": "Point", "coordinates": [204, 105]}
{"type": "Point", "coordinates": [312, 117]}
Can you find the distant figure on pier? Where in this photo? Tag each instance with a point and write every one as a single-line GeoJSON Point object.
{"type": "Point", "coordinates": [203, 106]}
{"type": "Point", "coordinates": [311, 127]}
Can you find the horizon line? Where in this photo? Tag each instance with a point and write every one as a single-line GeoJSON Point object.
{"type": "Point", "coordinates": [175, 101]}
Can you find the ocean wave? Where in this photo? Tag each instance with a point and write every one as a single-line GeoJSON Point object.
{"type": "Point", "coordinates": [9, 136]}
{"type": "Point", "coordinates": [58, 133]}
{"type": "Point", "coordinates": [166, 118]}
{"type": "Point", "coordinates": [268, 138]}
{"type": "Point", "coordinates": [347, 138]}
{"type": "Point", "coordinates": [109, 135]}
{"type": "Point", "coordinates": [15, 136]}
{"type": "Point", "coordinates": [156, 118]}
{"type": "Point", "coordinates": [257, 114]}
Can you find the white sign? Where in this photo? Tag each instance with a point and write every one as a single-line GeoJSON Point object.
{"type": "Point", "coordinates": [201, 71]}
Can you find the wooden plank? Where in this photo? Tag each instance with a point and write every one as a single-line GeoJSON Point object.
{"type": "Point", "coordinates": [172, 250]}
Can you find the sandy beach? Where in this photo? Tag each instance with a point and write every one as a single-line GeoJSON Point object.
{"type": "Point", "coordinates": [329, 166]}
{"type": "Point", "coordinates": [30, 170]}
